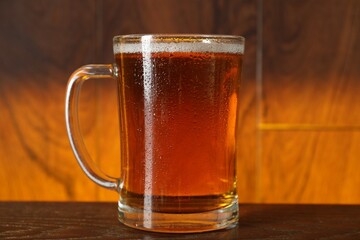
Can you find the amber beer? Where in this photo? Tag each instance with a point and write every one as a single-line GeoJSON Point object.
{"type": "Point", "coordinates": [178, 107]}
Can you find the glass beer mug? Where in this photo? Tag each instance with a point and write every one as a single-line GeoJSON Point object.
{"type": "Point", "coordinates": [178, 102]}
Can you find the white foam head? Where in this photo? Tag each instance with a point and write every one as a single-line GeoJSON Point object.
{"type": "Point", "coordinates": [149, 46]}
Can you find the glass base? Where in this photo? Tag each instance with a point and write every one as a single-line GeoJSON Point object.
{"type": "Point", "coordinates": [221, 218]}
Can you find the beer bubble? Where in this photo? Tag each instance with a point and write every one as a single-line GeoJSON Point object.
{"type": "Point", "coordinates": [155, 47]}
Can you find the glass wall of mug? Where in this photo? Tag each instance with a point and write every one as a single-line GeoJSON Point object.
{"type": "Point", "coordinates": [178, 107]}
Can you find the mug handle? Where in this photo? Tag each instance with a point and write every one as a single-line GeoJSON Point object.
{"type": "Point", "coordinates": [72, 122]}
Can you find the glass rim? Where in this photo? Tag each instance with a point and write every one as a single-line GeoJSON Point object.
{"type": "Point", "coordinates": [178, 43]}
{"type": "Point", "coordinates": [179, 37]}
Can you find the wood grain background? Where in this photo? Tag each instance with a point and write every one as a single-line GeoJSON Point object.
{"type": "Point", "coordinates": [300, 110]}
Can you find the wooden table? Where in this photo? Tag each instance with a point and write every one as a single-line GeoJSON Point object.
{"type": "Point", "coordinates": [49, 220]}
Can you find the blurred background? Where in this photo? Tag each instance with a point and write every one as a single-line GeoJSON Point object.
{"type": "Point", "coordinates": [300, 104]}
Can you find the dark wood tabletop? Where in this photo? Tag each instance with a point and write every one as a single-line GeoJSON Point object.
{"type": "Point", "coordinates": [75, 220]}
